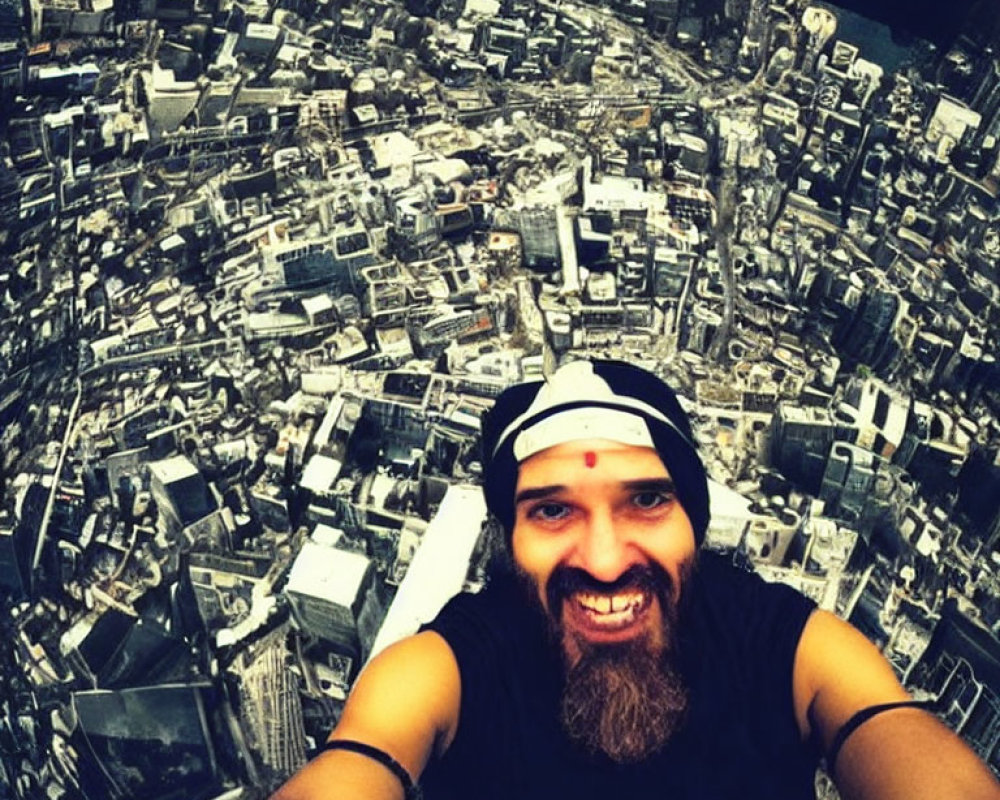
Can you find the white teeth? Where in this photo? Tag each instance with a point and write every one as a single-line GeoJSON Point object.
{"type": "Point", "coordinates": [610, 604]}
{"type": "Point", "coordinates": [620, 602]}
{"type": "Point", "coordinates": [598, 603]}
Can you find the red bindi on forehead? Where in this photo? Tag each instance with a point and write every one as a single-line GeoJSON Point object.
{"type": "Point", "coordinates": [590, 459]}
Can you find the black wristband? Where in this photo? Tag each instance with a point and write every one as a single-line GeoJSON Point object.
{"type": "Point", "coordinates": [375, 754]}
{"type": "Point", "coordinates": [857, 720]}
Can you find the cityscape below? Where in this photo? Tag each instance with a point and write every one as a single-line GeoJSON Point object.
{"type": "Point", "coordinates": [264, 265]}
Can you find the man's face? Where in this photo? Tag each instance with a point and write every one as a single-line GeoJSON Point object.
{"type": "Point", "coordinates": [598, 530]}
{"type": "Point", "coordinates": [604, 543]}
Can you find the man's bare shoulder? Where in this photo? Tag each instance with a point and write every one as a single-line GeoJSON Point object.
{"type": "Point", "coordinates": [838, 672]}
{"type": "Point", "coordinates": [405, 703]}
{"type": "Point", "coordinates": [413, 682]}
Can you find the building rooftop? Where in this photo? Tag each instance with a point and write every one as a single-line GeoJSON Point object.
{"type": "Point", "coordinates": [173, 469]}
{"type": "Point", "coordinates": [328, 573]}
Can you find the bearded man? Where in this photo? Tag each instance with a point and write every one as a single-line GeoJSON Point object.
{"type": "Point", "coordinates": [610, 656]}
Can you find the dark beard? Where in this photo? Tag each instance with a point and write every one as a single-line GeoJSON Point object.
{"type": "Point", "coordinates": [625, 700]}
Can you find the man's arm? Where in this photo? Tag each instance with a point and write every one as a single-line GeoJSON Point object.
{"type": "Point", "coordinates": [405, 703]}
{"type": "Point", "coordinates": [900, 753]}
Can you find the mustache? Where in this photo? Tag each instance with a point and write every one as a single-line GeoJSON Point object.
{"type": "Point", "coordinates": [566, 581]}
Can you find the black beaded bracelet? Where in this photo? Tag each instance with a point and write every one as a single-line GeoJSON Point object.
{"type": "Point", "coordinates": [855, 722]}
{"type": "Point", "coordinates": [376, 754]}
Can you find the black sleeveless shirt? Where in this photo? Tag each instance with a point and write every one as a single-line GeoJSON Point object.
{"type": "Point", "coordinates": [740, 738]}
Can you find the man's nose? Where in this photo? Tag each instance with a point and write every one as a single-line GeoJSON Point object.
{"type": "Point", "coordinates": [602, 550]}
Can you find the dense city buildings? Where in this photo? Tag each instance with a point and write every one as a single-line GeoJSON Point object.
{"type": "Point", "coordinates": [264, 265]}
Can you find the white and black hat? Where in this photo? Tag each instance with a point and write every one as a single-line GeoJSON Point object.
{"type": "Point", "coordinates": [584, 400]}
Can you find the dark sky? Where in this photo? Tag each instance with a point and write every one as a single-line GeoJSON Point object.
{"type": "Point", "coordinates": [939, 21]}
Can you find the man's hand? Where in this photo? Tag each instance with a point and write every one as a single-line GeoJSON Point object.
{"type": "Point", "coordinates": [406, 704]}
{"type": "Point", "coordinates": [896, 754]}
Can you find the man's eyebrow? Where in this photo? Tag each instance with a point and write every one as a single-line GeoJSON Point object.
{"type": "Point", "coordinates": [537, 492]}
{"type": "Point", "coordinates": [664, 485]}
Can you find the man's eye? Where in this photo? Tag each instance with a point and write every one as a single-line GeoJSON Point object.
{"type": "Point", "coordinates": [650, 500]}
{"type": "Point", "coordinates": [549, 512]}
